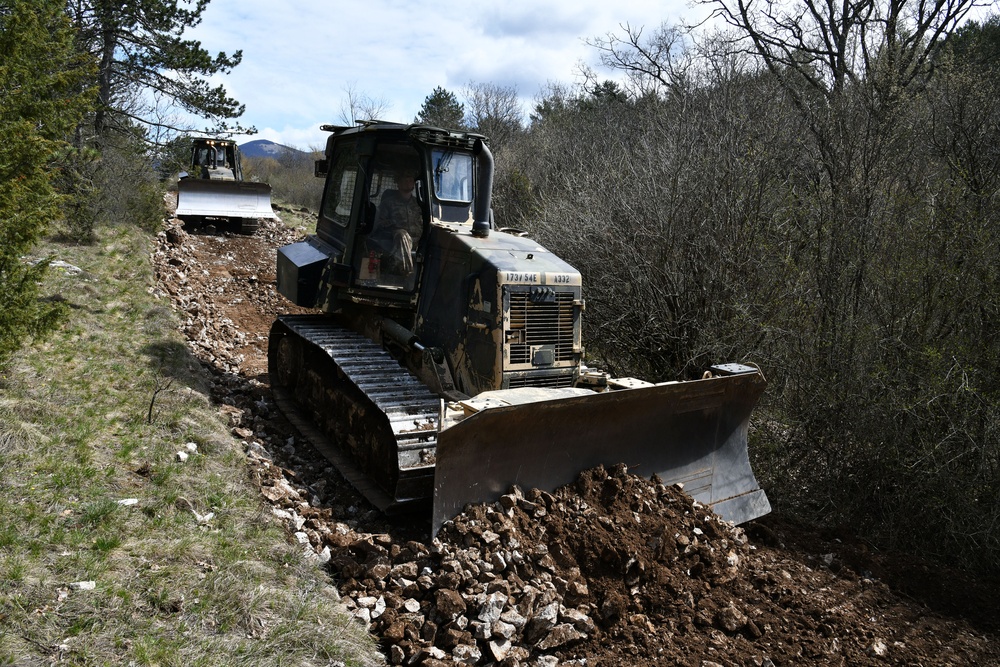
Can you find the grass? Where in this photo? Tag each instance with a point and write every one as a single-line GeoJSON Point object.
{"type": "Point", "coordinates": [91, 491]}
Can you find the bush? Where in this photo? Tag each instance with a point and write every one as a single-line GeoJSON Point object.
{"type": "Point", "coordinates": [851, 255]}
{"type": "Point", "coordinates": [291, 177]}
{"type": "Point", "coordinates": [115, 186]}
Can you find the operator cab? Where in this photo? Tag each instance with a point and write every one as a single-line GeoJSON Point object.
{"type": "Point", "coordinates": [215, 160]}
{"type": "Point", "coordinates": [382, 192]}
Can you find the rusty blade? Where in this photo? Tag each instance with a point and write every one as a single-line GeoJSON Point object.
{"type": "Point", "coordinates": [689, 432]}
{"type": "Point", "coordinates": [223, 199]}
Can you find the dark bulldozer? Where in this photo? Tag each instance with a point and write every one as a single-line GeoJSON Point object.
{"type": "Point", "coordinates": [447, 362]}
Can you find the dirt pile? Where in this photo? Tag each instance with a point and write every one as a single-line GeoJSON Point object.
{"type": "Point", "coordinates": [612, 570]}
{"type": "Point", "coordinates": [539, 577]}
{"type": "Point", "coordinates": [619, 570]}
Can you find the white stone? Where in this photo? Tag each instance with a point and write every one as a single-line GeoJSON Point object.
{"type": "Point", "coordinates": [512, 617]}
{"type": "Point", "coordinates": [879, 648]}
{"type": "Point", "coordinates": [559, 635]}
{"type": "Point", "coordinates": [467, 655]}
{"type": "Point", "coordinates": [379, 607]}
{"type": "Point", "coordinates": [480, 630]}
{"type": "Point", "coordinates": [502, 629]}
{"type": "Point", "coordinates": [491, 609]}
{"type": "Point", "coordinates": [499, 649]}
{"type": "Point", "coordinates": [435, 652]}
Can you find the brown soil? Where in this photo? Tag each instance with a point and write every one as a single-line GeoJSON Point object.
{"type": "Point", "coordinates": [613, 570]}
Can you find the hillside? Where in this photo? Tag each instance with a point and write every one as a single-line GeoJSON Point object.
{"type": "Point", "coordinates": [265, 148]}
{"type": "Point", "coordinates": [130, 530]}
{"type": "Point", "coordinates": [613, 570]}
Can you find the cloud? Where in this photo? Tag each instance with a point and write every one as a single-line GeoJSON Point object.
{"type": "Point", "coordinates": [527, 20]}
{"type": "Point", "coordinates": [300, 58]}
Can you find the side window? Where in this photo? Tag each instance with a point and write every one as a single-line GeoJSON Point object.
{"type": "Point", "coordinates": [452, 176]}
{"type": "Point", "coordinates": [341, 186]}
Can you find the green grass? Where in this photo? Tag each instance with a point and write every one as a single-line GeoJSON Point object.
{"type": "Point", "coordinates": [74, 437]}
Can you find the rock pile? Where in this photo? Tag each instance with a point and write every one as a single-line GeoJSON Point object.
{"type": "Point", "coordinates": [527, 579]}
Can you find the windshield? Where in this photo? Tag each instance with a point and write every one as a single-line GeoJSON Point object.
{"type": "Point", "coordinates": [452, 175]}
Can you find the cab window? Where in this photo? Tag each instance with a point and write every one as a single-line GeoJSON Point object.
{"type": "Point", "coordinates": [452, 175]}
{"type": "Point", "coordinates": [340, 186]}
{"type": "Point", "coordinates": [388, 249]}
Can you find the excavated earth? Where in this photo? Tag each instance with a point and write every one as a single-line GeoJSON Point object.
{"type": "Point", "coordinates": [611, 570]}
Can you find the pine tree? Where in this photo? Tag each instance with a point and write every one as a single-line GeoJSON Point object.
{"type": "Point", "coordinates": [442, 109]}
{"type": "Point", "coordinates": [143, 62]}
{"type": "Point", "coordinates": [42, 99]}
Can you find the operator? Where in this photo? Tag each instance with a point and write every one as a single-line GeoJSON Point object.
{"type": "Point", "coordinates": [399, 222]}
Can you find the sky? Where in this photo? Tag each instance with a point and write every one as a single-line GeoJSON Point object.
{"type": "Point", "coordinates": [301, 57]}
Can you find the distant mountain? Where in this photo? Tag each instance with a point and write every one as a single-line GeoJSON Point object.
{"type": "Point", "coordinates": [265, 148]}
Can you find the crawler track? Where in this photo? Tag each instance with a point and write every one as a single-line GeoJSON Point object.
{"type": "Point", "coordinates": [375, 422]}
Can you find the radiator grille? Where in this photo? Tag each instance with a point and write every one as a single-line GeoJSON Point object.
{"type": "Point", "coordinates": [534, 324]}
{"type": "Point", "coordinates": [563, 380]}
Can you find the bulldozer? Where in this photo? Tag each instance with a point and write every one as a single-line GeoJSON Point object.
{"type": "Point", "coordinates": [440, 358]}
{"type": "Point", "coordinates": [214, 192]}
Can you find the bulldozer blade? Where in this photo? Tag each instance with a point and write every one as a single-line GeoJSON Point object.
{"type": "Point", "coordinates": [223, 199]}
{"type": "Point", "coordinates": [694, 433]}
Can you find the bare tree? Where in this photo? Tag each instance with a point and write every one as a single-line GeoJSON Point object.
{"type": "Point", "coordinates": [493, 110]}
{"type": "Point", "coordinates": [654, 65]}
{"type": "Point", "coordinates": [360, 106]}
{"type": "Point", "coordinates": [829, 45]}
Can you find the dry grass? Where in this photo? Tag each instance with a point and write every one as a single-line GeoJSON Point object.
{"type": "Point", "coordinates": [91, 491]}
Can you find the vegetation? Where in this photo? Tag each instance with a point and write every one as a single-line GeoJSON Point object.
{"type": "Point", "coordinates": [291, 176]}
{"type": "Point", "coordinates": [828, 214]}
{"type": "Point", "coordinates": [495, 111]}
{"type": "Point", "coordinates": [442, 109]}
{"type": "Point", "coordinates": [146, 70]}
{"type": "Point", "coordinates": [112, 550]}
{"type": "Point", "coordinates": [43, 95]}
{"type": "Point", "coordinates": [188, 565]}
